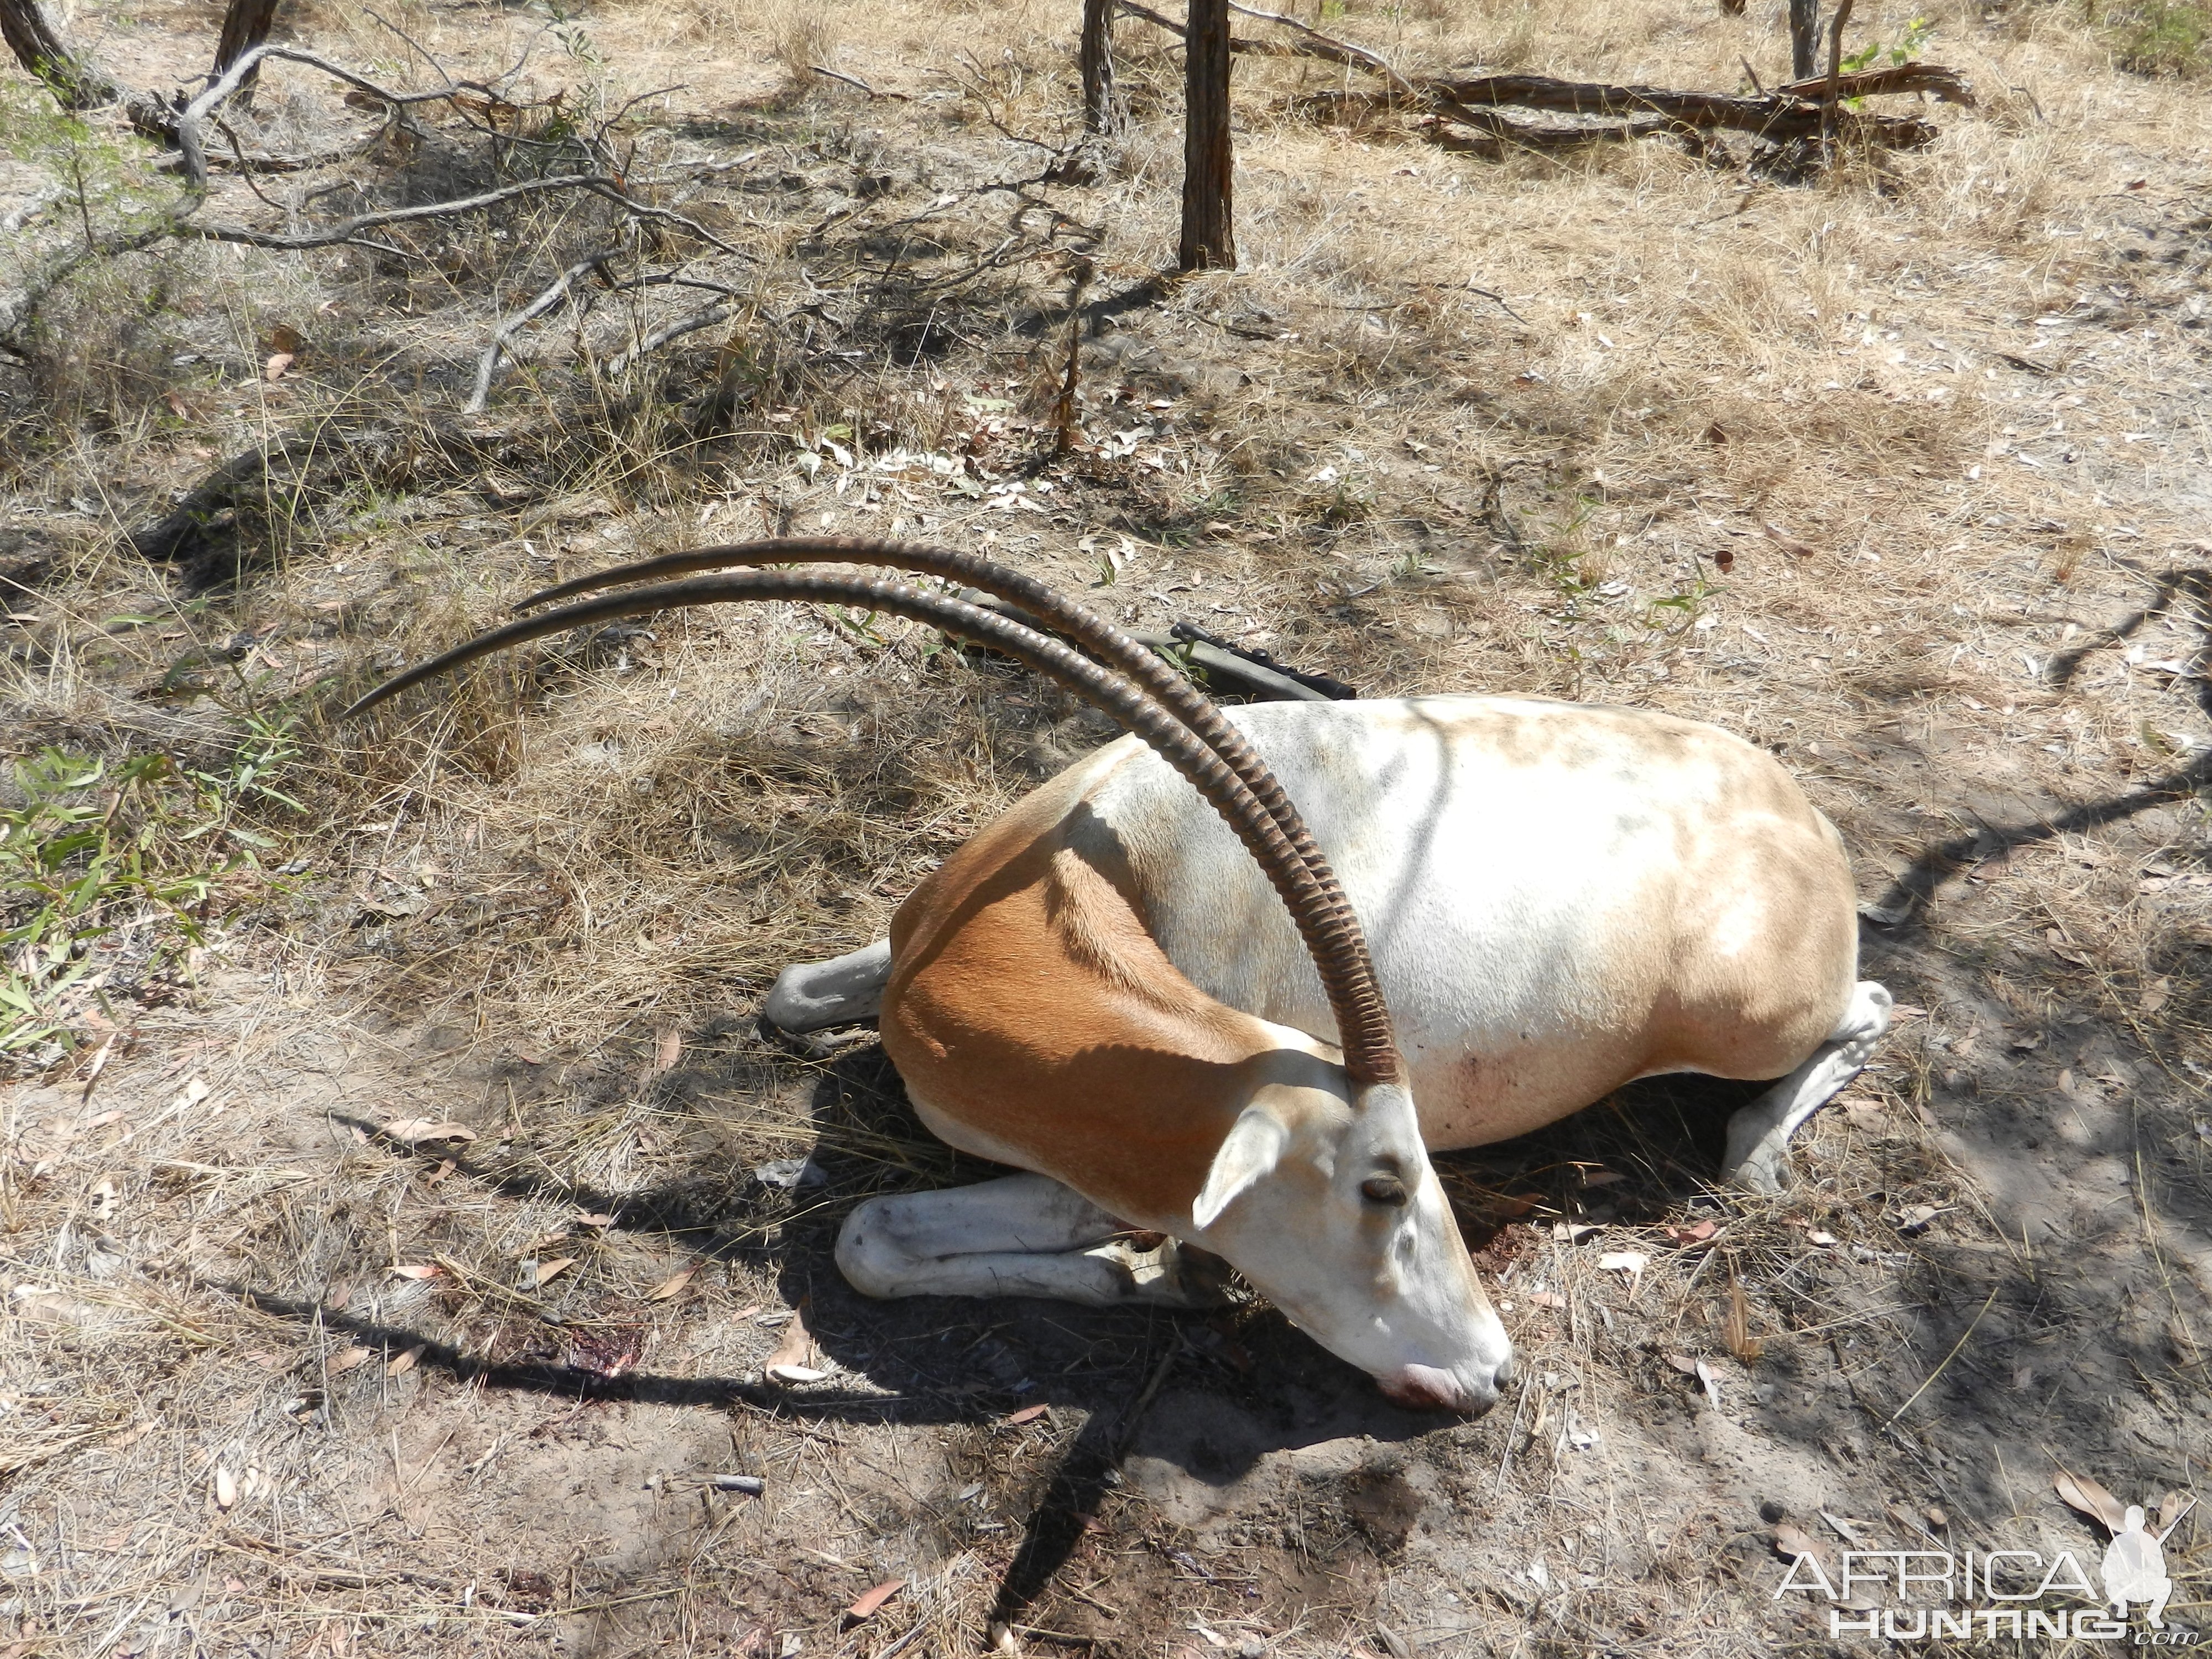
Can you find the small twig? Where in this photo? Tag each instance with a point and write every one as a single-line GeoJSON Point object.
{"type": "Point", "coordinates": [1757, 86]}
{"type": "Point", "coordinates": [1499, 300]}
{"type": "Point", "coordinates": [1506, 1458]}
{"type": "Point", "coordinates": [238, 150]}
{"type": "Point", "coordinates": [246, 63]}
{"type": "Point", "coordinates": [1318, 45]}
{"type": "Point", "coordinates": [551, 295]}
{"type": "Point", "coordinates": [662, 92]}
{"type": "Point", "coordinates": [1977, 1321]}
{"type": "Point", "coordinates": [427, 55]}
{"type": "Point", "coordinates": [1064, 423]}
{"type": "Point", "coordinates": [704, 318]}
{"type": "Point", "coordinates": [852, 80]}
{"type": "Point", "coordinates": [597, 184]}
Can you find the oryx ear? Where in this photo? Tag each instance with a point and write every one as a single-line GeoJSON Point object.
{"type": "Point", "coordinates": [1254, 1148]}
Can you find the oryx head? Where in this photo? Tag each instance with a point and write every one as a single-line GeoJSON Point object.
{"type": "Point", "coordinates": [1321, 1193]}
{"type": "Point", "coordinates": [1328, 1205]}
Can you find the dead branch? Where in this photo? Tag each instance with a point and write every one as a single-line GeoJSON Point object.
{"type": "Point", "coordinates": [1946, 85]}
{"type": "Point", "coordinates": [1795, 110]}
{"type": "Point", "coordinates": [188, 119]}
{"type": "Point", "coordinates": [597, 184]}
{"type": "Point", "coordinates": [850, 81]}
{"type": "Point", "coordinates": [706, 316]}
{"type": "Point", "coordinates": [179, 225]}
{"type": "Point", "coordinates": [1312, 43]}
{"type": "Point", "coordinates": [553, 294]}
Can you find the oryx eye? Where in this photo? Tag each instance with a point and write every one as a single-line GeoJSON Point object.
{"type": "Point", "coordinates": [1383, 1189]}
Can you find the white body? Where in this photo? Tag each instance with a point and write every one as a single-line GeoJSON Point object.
{"type": "Point", "coordinates": [1558, 898]}
{"type": "Point", "coordinates": [1528, 874]}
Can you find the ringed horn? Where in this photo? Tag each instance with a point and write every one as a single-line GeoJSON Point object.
{"type": "Point", "coordinates": [1141, 693]}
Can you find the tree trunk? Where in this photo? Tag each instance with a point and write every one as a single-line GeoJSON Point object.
{"type": "Point", "coordinates": [1804, 38]}
{"type": "Point", "coordinates": [1209, 239]}
{"type": "Point", "coordinates": [1101, 112]}
{"type": "Point", "coordinates": [245, 26]}
{"type": "Point", "coordinates": [40, 52]}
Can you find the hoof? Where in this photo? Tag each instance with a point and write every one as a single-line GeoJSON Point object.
{"type": "Point", "coordinates": [1763, 1175]}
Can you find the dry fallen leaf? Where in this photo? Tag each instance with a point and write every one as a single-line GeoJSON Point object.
{"type": "Point", "coordinates": [1818, 1236]}
{"type": "Point", "coordinates": [98, 1064]}
{"type": "Point", "coordinates": [1794, 1542]}
{"type": "Point", "coordinates": [226, 1487]}
{"type": "Point", "coordinates": [2091, 1499]}
{"type": "Point", "coordinates": [277, 363]}
{"type": "Point", "coordinates": [1696, 1234]}
{"type": "Point", "coordinates": [584, 1219]}
{"type": "Point", "coordinates": [97, 1121]}
{"type": "Point", "coordinates": [404, 1363]}
{"type": "Point", "coordinates": [1028, 1414]}
{"type": "Point", "coordinates": [419, 1270]}
{"type": "Point", "coordinates": [1848, 1530]}
{"type": "Point", "coordinates": [549, 1271]}
{"type": "Point", "coordinates": [413, 1130]}
{"type": "Point", "coordinates": [1788, 543]}
{"type": "Point", "coordinates": [670, 1051]}
{"type": "Point", "coordinates": [104, 1198]}
{"type": "Point", "coordinates": [1711, 1379]}
{"type": "Point", "coordinates": [1735, 1330]}
{"type": "Point", "coordinates": [671, 1286]}
{"type": "Point", "coordinates": [1682, 1362]}
{"type": "Point", "coordinates": [1546, 1299]}
{"type": "Point", "coordinates": [866, 1606]}
{"type": "Point", "coordinates": [1631, 1262]}
{"type": "Point", "coordinates": [793, 1359]}
{"type": "Point", "coordinates": [1572, 1232]}
{"type": "Point", "coordinates": [348, 1359]}
{"type": "Point", "coordinates": [285, 337]}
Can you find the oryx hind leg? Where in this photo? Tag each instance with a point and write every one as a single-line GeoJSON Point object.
{"type": "Point", "coordinates": [1758, 1134]}
{"type": "Point", "coordinates": [813, 996]}
{"type": "Point", "coordinates": [1021, 1235]}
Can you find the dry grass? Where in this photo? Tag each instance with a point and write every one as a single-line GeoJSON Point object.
{"type": "Point", "coordinates": [1900, 474]}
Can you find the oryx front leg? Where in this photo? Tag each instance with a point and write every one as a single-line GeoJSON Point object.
{"type": "Point", "coordinates": [1021, 1235]}
{"type": "Point", "coordinates": [813, 996]}
{"type": "Point", "coordinates": [1758, 1134]}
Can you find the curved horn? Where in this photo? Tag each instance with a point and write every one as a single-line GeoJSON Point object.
{"type": "Point", "coordinates": [1062, 616]}
{"type": "Point", "coordinates": [1330, 932]}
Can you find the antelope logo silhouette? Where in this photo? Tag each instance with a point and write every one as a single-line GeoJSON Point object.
{"type": "Point", "coordinates": [2135, 1570]}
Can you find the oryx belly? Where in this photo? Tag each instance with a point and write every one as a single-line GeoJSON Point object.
{"type": "Point", "coordinates": [1558, 897]}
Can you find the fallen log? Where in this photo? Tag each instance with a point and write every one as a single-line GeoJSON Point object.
{"type": "Point", "coordinates": [1609, 114]}
{"type": "Point", "coordinates": [1777, 117]}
